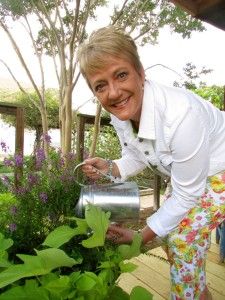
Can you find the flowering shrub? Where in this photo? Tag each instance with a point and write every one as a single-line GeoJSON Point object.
{"type": "Point", "coordinates": [47, 193]}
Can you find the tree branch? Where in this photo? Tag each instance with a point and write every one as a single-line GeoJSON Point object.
{"type": "Point", "coordinates": [19, 85]}
{"type": "Point", "coordinates": [19, 54]}
{"type": "Point", "coordinates": [39, 57]}
{"type": "Point", "coordinates": [120, 13]}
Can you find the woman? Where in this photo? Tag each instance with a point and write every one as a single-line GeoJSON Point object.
{"type": "Point", "coordinates": [168, 129]}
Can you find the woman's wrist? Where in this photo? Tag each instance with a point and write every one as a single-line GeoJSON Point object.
{"type": "Point", "coordinates": [110, 167]}
{"type": "Point", "coordinates": [147, 234]}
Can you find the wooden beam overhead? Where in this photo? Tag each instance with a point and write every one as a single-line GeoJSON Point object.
{"type": "Point", "coordinates": [210, 11]}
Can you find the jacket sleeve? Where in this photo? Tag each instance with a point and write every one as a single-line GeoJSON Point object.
{"type": "Point", "coordinates": [190, 156]}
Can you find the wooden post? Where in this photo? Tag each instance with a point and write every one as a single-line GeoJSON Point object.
{"type": "Point", "coordinates": [18, 112]}
{"type": "Point", "coordinates": [80, 138]}
{"type": "Point", "coordinates": [156, 192]}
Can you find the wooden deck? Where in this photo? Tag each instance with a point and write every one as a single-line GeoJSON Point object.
{"type": "Point", "coordinates": [153, 274]}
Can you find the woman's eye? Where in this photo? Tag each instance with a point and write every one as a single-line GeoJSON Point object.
{"type": "Point", "coordinates": [122, 75]}
{"type": "Point", "coordinates": [99, 88]}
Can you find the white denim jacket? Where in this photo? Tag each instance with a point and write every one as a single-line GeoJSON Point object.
{"type": "Point", "coordinates": [181, 135]}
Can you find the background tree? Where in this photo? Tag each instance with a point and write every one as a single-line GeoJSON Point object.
{"type": "Point", "coordinates": [214, 94]}
{"type": "Point", "coordinates": [32, 116]}
{"type": "Point", "coordinates": [192, 77]}
{"type": "Point", "coordinates": [63, 25]}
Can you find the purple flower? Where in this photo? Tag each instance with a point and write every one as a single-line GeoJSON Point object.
{"type": "Point", "coordinates": [5, 180]}
{"type": "Point", "coordinates": [21, 191]}
{"type": "Point", "coordinates": [71, 156]}
{"type": "Point", "coordinates": [12, 227]}
{"type": "Point", "coordinates": [13, 210]}
{"type": "Point", "coordinates": [47, 138]}
{"type": "Point", "coordinates": [32, 179]}
{"type": "Point", "coordinates": [19, 160]}
{"type": "Point", "coordinates": [8, 162]}
{"type": "Point", "coordinates": [40, 154]}
{"type": "Point", "coordinates": [61, 162]}
{"type": "Point", "coordinates": [3, 146]}
{"type": "Point", "coordinates": [43, 197]}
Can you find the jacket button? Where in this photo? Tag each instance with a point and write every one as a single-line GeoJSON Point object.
{"type": "Point", "coordinates": [125, 144]}
{"type": "Point", "coordinates": [152, 166]}
{"type": "Point", "coordinates": [146, 153]}
{"type": "Point", "coordinates": [140, 140]}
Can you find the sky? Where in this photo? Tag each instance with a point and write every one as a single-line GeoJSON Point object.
{"type": "Point", "coordinates": [202, 49]}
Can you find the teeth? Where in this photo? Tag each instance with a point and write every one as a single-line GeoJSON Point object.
{"type": "Point", "coordinates": [121, 103]}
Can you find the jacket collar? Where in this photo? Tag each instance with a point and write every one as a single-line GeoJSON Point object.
{"type": "Point", "coordinates": [147, 120]}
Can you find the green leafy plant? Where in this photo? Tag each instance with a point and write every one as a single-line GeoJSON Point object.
{"type": "Point", "coordinates": [52, 274]}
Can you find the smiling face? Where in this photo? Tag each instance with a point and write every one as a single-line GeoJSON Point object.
{"type": "Point", "coordinates": [119, 88]}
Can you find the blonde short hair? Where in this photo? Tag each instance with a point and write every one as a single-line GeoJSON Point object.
{"type": "Point", "coordinates": [107, 41]}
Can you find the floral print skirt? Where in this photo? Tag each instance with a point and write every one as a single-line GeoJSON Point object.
{"type": "Point", "coordinates": [186, 246]}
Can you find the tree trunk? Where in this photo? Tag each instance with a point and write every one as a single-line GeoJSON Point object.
{"type": "Point", "coordinates": [38, 134]}
{"type": "Point", "coordinates": [66, 121]}
{"type": "Point", "coordinates": [96, 129]}
{"type": "Point", "coordinates": [44, 119]}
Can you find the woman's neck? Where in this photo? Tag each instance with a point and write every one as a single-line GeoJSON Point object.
{"type": "Point", "coordinates": [135, 125]}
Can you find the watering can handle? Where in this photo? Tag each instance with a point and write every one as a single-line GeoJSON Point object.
{"type": "Point", "coordinates": [110, 177]}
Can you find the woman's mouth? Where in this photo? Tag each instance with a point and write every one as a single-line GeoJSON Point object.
{"type": "Point", "coordinates": [121, 103]}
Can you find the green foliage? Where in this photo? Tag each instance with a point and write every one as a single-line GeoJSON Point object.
{"type": "Point", "coordinates": [52, 274]}
{"type": "Point", "coordinates": [47, 193]}
{"type": "Point", "coordinates": [108, 145]}
{"type": "Point", "coordinates": [32, 115]}
{"type": "Point", "coordinates": [192, 77]}
{"type": "Point", "coordinates": [151, 16]}
{"type": "Point", "coordinates": [214, 94]}
{"type": "Point", "coordinates": [7, 203]}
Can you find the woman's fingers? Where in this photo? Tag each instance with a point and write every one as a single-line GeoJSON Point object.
{"type": "Point", "coordinates": [91, 171]}
{"type": "Point", "coordinates": [119, 235]}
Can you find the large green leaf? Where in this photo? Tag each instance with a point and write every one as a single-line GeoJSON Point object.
{"type": "Point", "coordinates": [127, 267]}
{"type": "Point", "coordinates": [139, 292]}
{"type": "Point", "coordinates": [98, 221]}
{"type": "Point", "coordinates": [63, 234]}
{"type": "Point", "coordinates": [85, 282]}
{"type": "Point", "coordinates": [129, 251]}
{"type": "Point", "coordinates": [60, 286]}
{"type": "Point", "coordinates": [4, 263]}
{"type": "Point", "coordinates": [45, 261]}
{"type": "Point", "coordinates": [30, 290]}
{"type": "Point", "coordinates": [118, 294]}
{"type": "Point", "coordinates": [5, 243]}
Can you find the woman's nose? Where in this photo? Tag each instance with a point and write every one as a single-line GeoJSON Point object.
{"type": "Point", "coordinates": [114, 91]}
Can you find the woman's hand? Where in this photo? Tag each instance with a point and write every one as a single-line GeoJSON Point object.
{"type": "Point", "coordinates": [92, 165]}
{"type": "Point", "coordinates": [119, 235]}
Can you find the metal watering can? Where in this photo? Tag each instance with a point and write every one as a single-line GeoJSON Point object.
{"type": "Point", "coordinates": [122, 199]}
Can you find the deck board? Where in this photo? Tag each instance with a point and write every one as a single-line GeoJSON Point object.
{"type": "Point", "coordinates": [153, 273]}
